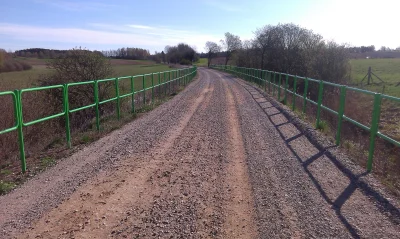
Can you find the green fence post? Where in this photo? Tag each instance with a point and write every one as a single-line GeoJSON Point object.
{"type": "Point", "coordinates": [294, 93]}
{"type": "Point", "coordinates": [20, 131]}
{"type": "Point", "coordinates": [169, 81]}
{"type": "Point", "coordinates": [305, 94]}
{"type": "Point", "coordinates": [374, 129]}
{"type": "Point", "coordinates": [118, 99]}
{"type": "Point", "coordinates": [165, 84]}
{"type": "Point", "coordinates": [257, 76]}
{"type": "Point", "coordinates": [274, 85]}
{"type": "Point", "coordinates": [97, 108]}
{"type": "Point", "coordinates": [152, 88]}
{"type": "Point", "coordinates": [178, 79]}
{"type": "Point", "coordinates": [159, 84]}
{"type": "Point", "coordinates": [66, 110]}
{"type": "Point", "coordinates": [269, 81]}
{"type": "Point", "coordinates": [286, 89]}
{"type": "Point", "coordinates": [133, 94]}
{"type": "Point", "coordinates": [341, 113]}
{"type": "Point", "coordinates": [144, 90]}
{"type": "Point", "coordinates": [320, 95]}
{"type": "Point", "coordinates": [279, 86]}
{"type": "Point", "coordinates": [265, 80]}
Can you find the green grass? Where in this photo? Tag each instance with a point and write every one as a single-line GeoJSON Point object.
{"type": "Point", "coordinates": [387, 69]}
{"type": "Point", "coordinates": [6, 187]}
{"type": "Point", "coordinates": [323, 126]}
{"type": "Point", "coordinates": [27, 79]}
{"type": "Point", "coordinates": [46, 162]}
{"type": "Point", "coordinates": [5, 172]}
{"type": "Point", "coordinates": [21, 79]}
{"type": "Point", "coordinates": [202, 62]}
{"type": "Point", "coordinates": [130, 70]}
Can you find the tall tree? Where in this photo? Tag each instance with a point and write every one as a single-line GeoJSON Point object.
{"type": "Point", "coordinates": [163, 56]}
{"type": "Point", "coordinates": [231, 44]}
{"type": "Point", "coordinates": [212, 49]}
{"type": "Point", "coordinates": [263, 41]}
{"type": "Point", "coordinates": [2, 57]}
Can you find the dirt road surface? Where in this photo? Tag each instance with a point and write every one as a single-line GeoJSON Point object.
{"type": "Point", "coordinates": [217, 161]}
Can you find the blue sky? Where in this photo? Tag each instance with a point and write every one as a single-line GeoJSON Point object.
{"type": "Point", "coordinates": [153, 24]}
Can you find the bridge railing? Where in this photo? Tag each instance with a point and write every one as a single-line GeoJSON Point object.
{"type": "Point", "coordinates": [148, 82]}
{"type": "Point", "coordinates": [277, 83]}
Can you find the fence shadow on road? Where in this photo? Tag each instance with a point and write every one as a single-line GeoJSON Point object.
{"type": "Point", "coordinates": [355, 183]}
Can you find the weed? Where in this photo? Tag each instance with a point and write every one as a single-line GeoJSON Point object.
{"type": "Point", "coordinates": [5, 172]}
{"type": "Point", "coordinates": [347, 144]}
{"type": "Point", "coordinates": [54, 143]}
{"type": "Point", "coordinates": [323, 126]}
{"type": "Point", "coordinates": [46, 162]}
{"type": "Point", "coordinates": [86, 139]}
{"type": "Point", "coordinates": [6, 187]}
{"type": "Point", "coordinates": [145, 108]}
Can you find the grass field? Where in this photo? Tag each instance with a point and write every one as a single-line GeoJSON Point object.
{"type": "Point", "coordinates": [202, 62]}
{"type": "Point", "coordinates": [26, 79]}
{"type": "Point", "coordinates": [387, 69]}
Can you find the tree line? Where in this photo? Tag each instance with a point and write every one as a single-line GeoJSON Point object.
{"type": "Point", "coordinates": [130, 53]}
{"type": "Point", "coordinates": [286, 48]}
{"type": "Point", "coordinates": [8, 63]}
{"type": "Point", "coordinates": [41, 53]}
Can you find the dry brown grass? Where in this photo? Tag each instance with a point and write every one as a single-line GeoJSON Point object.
{"type": "Point", "coordinates": [46, 142]}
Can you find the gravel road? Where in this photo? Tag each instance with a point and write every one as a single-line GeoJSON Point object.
{"type": "Point", "coordinates": [219, 160]}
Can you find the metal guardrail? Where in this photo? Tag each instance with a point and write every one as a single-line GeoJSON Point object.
{"type": "Point", "coordinates": [274, 80]}
{"type": "Point", "coordinates": [183, 76]}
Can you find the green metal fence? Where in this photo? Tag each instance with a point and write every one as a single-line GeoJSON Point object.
{"type": "Point", "coordinates": [182, 76]}
{"type": "Point", "coordinates": [278, 82]}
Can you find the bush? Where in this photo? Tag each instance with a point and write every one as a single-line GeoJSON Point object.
{"type": "Point", "coordinates": [185, 62]}
{"type": "Point", "coordinates": [80, 65]}
{"type": "Point", "coordinates": [12, 65]}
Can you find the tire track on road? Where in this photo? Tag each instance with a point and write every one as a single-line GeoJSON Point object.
{"type": "Point", "coordinates": [100, 204]}
{"type": "Point", "coordinates": [239, 206]}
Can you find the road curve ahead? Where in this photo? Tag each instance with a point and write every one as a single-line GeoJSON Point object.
{"type": "Point", "coordinates": [216, 161]}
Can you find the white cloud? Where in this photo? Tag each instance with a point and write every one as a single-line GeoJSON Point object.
{"type": "Point", "coordinates": [104, 36]}
{"type": "Point", "coordinates": [140, 26]}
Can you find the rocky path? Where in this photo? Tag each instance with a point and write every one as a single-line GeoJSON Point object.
{"type": "Point", "coordinates": [217, 161]}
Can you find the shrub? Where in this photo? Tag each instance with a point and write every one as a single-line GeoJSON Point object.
{"type": "Point", "coordinates": [78, 66]}
{"type": "Point", "coordinates": [185, 62]}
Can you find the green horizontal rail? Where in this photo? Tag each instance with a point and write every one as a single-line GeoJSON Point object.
{"type": "Point", "coordinates": [186, 75]}
{"type": "Point", "coordinates": [274, 80]}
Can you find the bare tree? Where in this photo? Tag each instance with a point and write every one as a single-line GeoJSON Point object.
{"type": "Point", "coordinates": [263, 41]}
{"type": "Point", "coordinates": [231, 44]}
{"type": "Point", "coordinates": [2, 57]}
{"type": "Point", "coordinates": [212, 49]}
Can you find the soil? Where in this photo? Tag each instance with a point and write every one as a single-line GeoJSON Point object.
{"type": "Point", "coordinates": [219, 160]}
